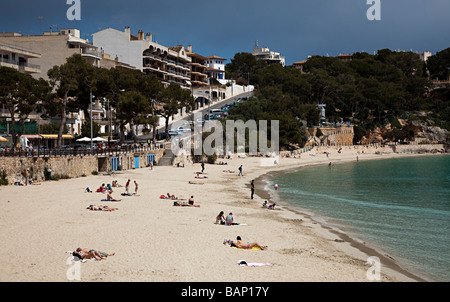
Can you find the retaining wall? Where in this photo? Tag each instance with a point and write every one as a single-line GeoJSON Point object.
{"type": "Point", "coordinates": [70, 166]}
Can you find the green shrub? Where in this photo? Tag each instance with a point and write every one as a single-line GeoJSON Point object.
{"type": "Point", "coordinates": [3, 179]}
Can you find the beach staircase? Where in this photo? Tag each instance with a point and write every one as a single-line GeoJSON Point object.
{"type": "Point", "coordinates": [167, 158]}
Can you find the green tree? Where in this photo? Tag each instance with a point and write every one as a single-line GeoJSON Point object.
{"type": "Point", "coordinates": [66, 79]}
{"type": "Point", "coordinates": [19, 94]}
{"type": "Point", "coordinates": [130, 106]}
{"type": "Point", "coordinates": [439, 65]}
{"type": "Point", "coordinates": [242, 67]}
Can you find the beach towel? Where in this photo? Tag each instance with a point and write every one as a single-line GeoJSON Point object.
{"type": "Point", "coordinates": [255, 248]}
{"type": "Point", "coordinates": [244, 263]}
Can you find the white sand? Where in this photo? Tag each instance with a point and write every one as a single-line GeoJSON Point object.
{"type": "Point", "coordinates": [155, 241]}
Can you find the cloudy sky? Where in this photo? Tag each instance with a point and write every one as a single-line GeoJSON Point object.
{"type": "Point", "coordinates": [295, 28]}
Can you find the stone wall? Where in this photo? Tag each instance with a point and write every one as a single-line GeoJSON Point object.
{"type": "Point", "coordinates": [70, 166]}
{"type": "Point", "coordinates": [73, 166]}
{"type": "Point", "coordinates": [335, 136]}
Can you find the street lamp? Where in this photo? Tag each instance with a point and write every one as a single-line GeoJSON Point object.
{"type": "Point", "coordinates": [90, 101]}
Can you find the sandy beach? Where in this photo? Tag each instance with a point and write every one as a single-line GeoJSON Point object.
{"type": "Point", "coordinates": [155, 241]}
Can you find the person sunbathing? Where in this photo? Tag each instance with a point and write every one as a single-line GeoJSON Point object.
{"type": "Point", "coordinates": [201, 177]}
{"type": "Point", "coordinates": [196, 183]}
{"type": "Point", "coordinates": [168, 196]}
{"type": "Point", "coordinates": [184, 204]}
{"type": "Point", "coordinates": [110, 198]}
{"type": "Point", "coordinates": [101, 208]}
{"type": "Point", "coordinates": [241, 245]}
{"type": "Point", "coordinates": [90, 253]}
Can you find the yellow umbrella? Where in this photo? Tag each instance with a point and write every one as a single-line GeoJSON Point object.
{"type": "Point", "coordinates": [2, 139]}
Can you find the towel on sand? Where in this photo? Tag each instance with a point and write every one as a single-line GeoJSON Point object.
{"type": "Point", "coordinates": [255, 248]}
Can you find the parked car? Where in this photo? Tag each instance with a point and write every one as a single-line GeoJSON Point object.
{"type": "Point", "coordinates": [183, 129]}
{"type": "Point", "coordinates": [173, 132]}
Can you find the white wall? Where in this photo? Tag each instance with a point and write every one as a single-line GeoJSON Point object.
{"type": "Point", "coordinates": [117, 43]}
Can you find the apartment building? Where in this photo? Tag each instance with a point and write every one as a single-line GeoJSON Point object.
{"type": "Point", "coordinates": [168, 64]}
{"type": "Point", "coordinates": [199, 77]}
{"type": "Point", "coordinates": [17, 57]}
{"type": "Point", "coordinates": [53, 47]}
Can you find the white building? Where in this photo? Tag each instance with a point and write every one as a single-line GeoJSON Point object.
{"type": "Point", "coordinates": [425, 55]}
{"type": "Point", "coordinates": [265, 54]}
{"type": "Point", "coordinates": [215, 67]}
{"type": "Point", "coordinates": [123, 45]}
{"type": "Point", "coordinates": [168, 64]}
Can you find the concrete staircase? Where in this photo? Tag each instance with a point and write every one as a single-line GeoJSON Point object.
{"type": "Point", "coordinates": [167, 159]}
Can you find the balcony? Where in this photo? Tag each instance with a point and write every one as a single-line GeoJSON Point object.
{"type": "Point", "coordinates": [20, 66]}
{"type": "Point", "coordinates": [91, 53]}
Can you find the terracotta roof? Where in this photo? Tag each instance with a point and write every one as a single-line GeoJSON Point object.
{"type": "Point", "coordinates": [215, 57]}
{"type": "Point", "coordinates": [213, 69]}
{"type": "Point", "coordinates": [193, 54]}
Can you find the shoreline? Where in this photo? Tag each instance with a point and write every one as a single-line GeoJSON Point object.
{"type": "Point", "coordinates": [362, 248]}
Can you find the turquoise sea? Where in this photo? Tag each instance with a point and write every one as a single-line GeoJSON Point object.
{"type": "Point", "coordinates": [401, 206]}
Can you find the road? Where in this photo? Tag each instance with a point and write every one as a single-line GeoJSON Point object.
{"type": "Point", "coordinates": [200, 112]}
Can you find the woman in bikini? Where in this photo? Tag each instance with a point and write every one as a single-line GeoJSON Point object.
{"type": "Point", "coordinates": [240, 244]}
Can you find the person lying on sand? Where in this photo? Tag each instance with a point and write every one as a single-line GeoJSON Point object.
{"type": "Point", "coordinates": [171, 197]}
{"type": "Point", "coordinates": [101, 208]}
{"type": "Point", "coordinates": [201, 177]}
{"type": "Point", "coordinates": [90, 253]}
{"type": "Point", "coordinates": [228, 171]}
{"type": "Point", "coordinates": [272, 206]}
{"type": "Point", "coordinates": [241, 245]}
{"type": "Point", "coordinates": [196, 183]}
{"type": "Point", "coordinates": [184, 204]}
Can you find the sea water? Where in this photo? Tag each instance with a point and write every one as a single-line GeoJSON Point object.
{"type": "Point", "coordinates": [400, 205]}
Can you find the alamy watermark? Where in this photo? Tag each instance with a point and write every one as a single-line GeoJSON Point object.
{"type": "Point", "coordinates": [373, 273]}
{"type": "Point", "coordinates": [74, 11]}
{"type": "Point", "coordinates": [239, 137]}
{"type": "Point", "coordinates": [374, 11]}
{"type": "Point", "coordinates": [74, 270]}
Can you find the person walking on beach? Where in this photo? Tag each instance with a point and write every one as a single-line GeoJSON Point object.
{"type": "Point", "coordinates": [252, 188]}
{"type": "Point", "coordinates": [240, 171]}
{"type": "Point", "coordinates": [203, 166]}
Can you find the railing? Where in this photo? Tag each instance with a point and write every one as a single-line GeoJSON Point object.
{"type": "Point", "coordinates": [19, 63]}
{"type": "Point", "coordinates": [66, 152]}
